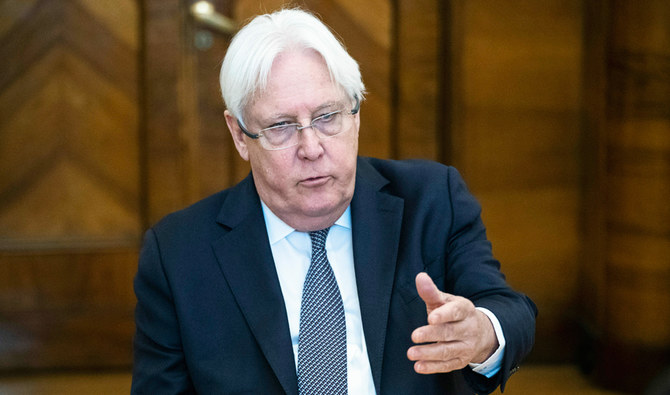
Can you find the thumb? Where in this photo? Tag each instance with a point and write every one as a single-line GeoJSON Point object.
{"type": "Point", "coordinates": [429, 293]}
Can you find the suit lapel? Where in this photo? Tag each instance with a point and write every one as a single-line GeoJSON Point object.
{"type": "Point", "coordinates": [376, 222]}
{"type": "Point", "coordinates": [245, 258]}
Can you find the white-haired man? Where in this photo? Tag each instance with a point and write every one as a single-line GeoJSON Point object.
{"type": "Point", "coordinates": [322, 272]}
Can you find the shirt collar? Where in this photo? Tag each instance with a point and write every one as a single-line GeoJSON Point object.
{"type": "Point", "coordinates": [278, 229]}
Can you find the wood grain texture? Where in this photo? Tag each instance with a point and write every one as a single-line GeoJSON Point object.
{"type": "Point", "coordinates": [66, 309]}
{"type": "Point", "coordinates": [218, 163]}
{"type": "Point", "coordinates": [167, 176]}
{"type": "Point", "coordinates": [632, 175]}
{"type": "Point", "coordinates": [69, 128]}
{"type": "Point", "coordinates": [516, 138]}
{"type": "Point", "coordinates": [418, 61]}
{"type": "Point", "coordinates": [70, 182]}
{"type": "Point", "coordinates": [638, 167]}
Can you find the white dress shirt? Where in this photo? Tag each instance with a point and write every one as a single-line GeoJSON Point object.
{"type": "Point", "coordinates": [292, 252]}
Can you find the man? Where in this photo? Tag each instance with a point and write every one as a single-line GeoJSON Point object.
{"type": "Point", "coordinates": [321, 272]}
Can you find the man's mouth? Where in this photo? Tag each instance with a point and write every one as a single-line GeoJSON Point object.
{"type": "Point", "coordinates": [314, 181]}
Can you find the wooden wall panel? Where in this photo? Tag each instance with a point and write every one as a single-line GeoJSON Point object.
{"type": "Point", "coordinates": [189, 152]}
{"type": "Point", "coordinates": [592, 292]}
{"type": "Point", "coordinates": [218, 163]}
{"type": "Point", "coordinates": [69, 130]}
{"type": "Point", "coordinates": [633, 337]}
{"type": "Point", "coordinates": [67, 309]}
{"type": "Point", "coordinates": [416, 112]}
{"type": "Point", "coordinates": [167, 175]}
{"type": "Point", "coordinates": [515, 137]}
{"type": "Point", "coordinates": [70, 176]}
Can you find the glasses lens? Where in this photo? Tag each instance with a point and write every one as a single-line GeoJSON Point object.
{"type": "Point", "coordinates": [329, 124]}
{"type": "Point", "coordinates": [281, 136]}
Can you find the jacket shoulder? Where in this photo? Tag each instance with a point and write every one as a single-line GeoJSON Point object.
{"type": "Point", "coordinates": [205, 209]}
{"type": "Point", "coordinates": [235, 201]}
{"type": "Point", "coordinates": [409, 177]}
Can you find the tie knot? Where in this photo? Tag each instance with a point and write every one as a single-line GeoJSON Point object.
{"type": "Point", "coordinates": [319, 238]}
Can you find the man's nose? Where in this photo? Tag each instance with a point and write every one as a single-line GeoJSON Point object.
{"type": "Point", "coordinates": [310, 143]}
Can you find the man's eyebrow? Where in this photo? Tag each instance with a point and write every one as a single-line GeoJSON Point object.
{"type": "Point", "coordinates": [331, 104]}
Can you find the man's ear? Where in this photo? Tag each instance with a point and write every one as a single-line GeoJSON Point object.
{"type": "Point", "coordinates": [238, 135]}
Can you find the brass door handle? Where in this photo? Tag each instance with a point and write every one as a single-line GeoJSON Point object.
{"type": "Point", "coordinates": [205, 13]}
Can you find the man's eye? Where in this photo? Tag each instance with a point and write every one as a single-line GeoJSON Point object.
{"type": "Point", "coordinates": [280, 128]}
{"type": "Point", "coordinates": [327, 117]}
{"type": "Point", "coordinates": [279, 124]}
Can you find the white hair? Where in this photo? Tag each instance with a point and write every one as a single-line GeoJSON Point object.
{"type": "Point", "coordinates": [252, 51]}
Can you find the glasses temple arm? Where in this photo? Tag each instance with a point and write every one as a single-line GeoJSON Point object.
{"type": "Point", "coordinates": [245, 131]}
{"type": "Point", "coordinates": [357, 107]}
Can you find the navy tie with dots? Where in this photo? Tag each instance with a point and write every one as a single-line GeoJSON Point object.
{"type": "Point", "coordinates": [322, 346]}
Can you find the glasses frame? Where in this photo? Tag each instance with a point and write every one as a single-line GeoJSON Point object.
{"type": "Point", "coordinates": [299, 126]}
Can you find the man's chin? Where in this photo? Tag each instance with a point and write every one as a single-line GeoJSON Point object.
{"type": "Point", "coordinates": [320, 216]}
{"type": "Point", "coordinates": [320, 210]}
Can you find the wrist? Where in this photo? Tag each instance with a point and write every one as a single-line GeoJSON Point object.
{"type": "Point", "coordinates": [489, 340]}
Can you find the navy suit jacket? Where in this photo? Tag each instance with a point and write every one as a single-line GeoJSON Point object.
{"type": "Point", "coordinates": [210, 314]}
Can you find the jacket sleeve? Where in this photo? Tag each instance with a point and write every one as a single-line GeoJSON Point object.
{"type": "Point", "coordinates": [474, 273]}
{"type": "Point", "coordinates": [158, 362]}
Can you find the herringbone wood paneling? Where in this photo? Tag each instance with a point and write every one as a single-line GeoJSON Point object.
{"type": "Point", "coordinates": [70, 218]}
{"type": "Point", "coordinates": [70, 147]}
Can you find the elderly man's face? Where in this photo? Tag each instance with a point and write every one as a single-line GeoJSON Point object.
{"type": "Point", "coordinates": [309, 185]}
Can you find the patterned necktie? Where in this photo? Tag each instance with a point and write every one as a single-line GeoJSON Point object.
{"type": "Point", "coordinates": [322, 346]}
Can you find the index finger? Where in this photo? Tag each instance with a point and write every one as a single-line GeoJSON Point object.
{"type": "Point", "coordinates": [453, 310]}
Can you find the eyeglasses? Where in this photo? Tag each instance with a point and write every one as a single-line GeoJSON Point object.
{"type": "Point", "coordinates": [285, 135]}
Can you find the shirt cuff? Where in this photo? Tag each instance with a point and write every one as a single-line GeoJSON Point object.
{"type": "Point", "coordinates": [491, 366]}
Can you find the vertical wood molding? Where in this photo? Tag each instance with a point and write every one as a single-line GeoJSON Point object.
{"type": "Point", "coordinates": [166, 173]}
{"type": "Point", "coordinates": [394, 101]}
{"type": "Point", "coordinates": [188, 151]}
{"type": "Point", "coordinates": [452, 41]}
{"type": "Point", "coordinates": [446, 75]}
{"type": "Point", "coordinates": [418, 67]}
{"type": "Point", "coordinates": [216, 160]}
{"type": "Point", "coordinates": [593, 286]}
